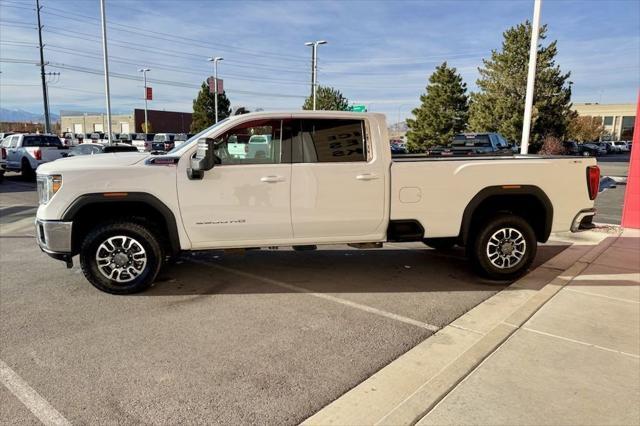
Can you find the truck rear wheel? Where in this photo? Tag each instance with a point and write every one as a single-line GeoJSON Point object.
{"type": "Point", "coordinates": [504, 247]}
{"type": "Point", "coordinates": [121, 257]}
{"type": "Point", "coordinates": [25, 170]}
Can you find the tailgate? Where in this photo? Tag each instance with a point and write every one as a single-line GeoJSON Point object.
{"type": "Point", "coordinates": [50, 153]}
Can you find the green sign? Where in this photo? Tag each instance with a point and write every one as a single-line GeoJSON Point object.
{"type": "Point", "coordinates": [358, 108]}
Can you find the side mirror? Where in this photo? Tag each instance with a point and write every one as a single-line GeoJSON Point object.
{"type": "Point", "coordinates": [203, 160]}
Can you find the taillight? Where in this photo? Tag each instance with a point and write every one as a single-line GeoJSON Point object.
{"type": "Point", "coordinates": [37, 154]}
{"type": "Point", "coordinates": [593, 181]}
{"type": "Point", "coordinates": [4, 154]}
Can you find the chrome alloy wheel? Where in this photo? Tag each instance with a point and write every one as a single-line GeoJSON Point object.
{"type": "Point", "coordinates": [506, 248]}
{"type": "Point", "coordinates": [121, 258]}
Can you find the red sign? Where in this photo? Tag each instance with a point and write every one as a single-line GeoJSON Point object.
{"type": "Point", "coordinates": [210, 81]}
{"type": "Point", "coordinates": [149, 93]}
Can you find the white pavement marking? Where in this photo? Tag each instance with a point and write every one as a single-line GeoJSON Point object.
{"type": "Point", "coordinates": [580, 342]}
{"type": "Point", "coordinates": [345, 302]}
{"type": "Point", "coordinates": [30, 398]}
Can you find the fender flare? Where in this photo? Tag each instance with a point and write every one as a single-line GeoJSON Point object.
{"type": "Point", "coordinates": [139, 197]}
{"type": "Point", "coordinates": [499, 190]}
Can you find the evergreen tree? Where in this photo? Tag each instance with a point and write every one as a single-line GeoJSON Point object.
{"type": "Point", "coordinates": [327, 99]}
{"type": "Point", "coordinates": [499, 105]}
{"type": "Point", "coordinates": [443, 113]}
{"type": "Point", "coordinates": [204, 113]}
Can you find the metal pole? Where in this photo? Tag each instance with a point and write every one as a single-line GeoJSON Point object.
{"type": "Point", "coordinates": [45, 97]}
{"type": "Point", "coordinates": [314, 72]}
{"type": "Point", "coordinates": [106, 69]}
{"type": "Point", "coordinates": [531, 78]}
{"type": "Point", "coordinates": [215, 86]}
{"type": "Point", "coordinates": [146, 121]}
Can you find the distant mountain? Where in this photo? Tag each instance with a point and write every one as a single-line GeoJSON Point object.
{"type": "Point", "coordinates": [398, 127]}
{"type": "Point", "coordinates": [19, 115]}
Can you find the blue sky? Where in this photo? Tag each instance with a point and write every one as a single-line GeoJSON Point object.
{"type": "Point", "coordinates": [379, 53]}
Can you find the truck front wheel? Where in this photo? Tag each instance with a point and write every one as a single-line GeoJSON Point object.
{"type": "Point", "coordinates": [503, 247]}
{"type": "Point", "coordinates": [120, 257]}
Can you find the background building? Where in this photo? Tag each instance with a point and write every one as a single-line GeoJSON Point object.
{"type": "Point", "coordinates": [618, 119]}
{"type": "Point", "coordinates": [161, 121]}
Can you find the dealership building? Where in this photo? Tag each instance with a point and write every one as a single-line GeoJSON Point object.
{"type": "Point", "coordinates": [618, 119]}
{"type": "Point", "coordinates": [161, 121]}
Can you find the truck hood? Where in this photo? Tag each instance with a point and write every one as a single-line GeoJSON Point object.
{"type": "Point", "coordinates": [91, 162]}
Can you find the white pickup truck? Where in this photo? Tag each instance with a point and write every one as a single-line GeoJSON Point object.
{"type": "Point", "coordinates": [323, 178]}
{"type": "Point", "coordinates": [25, 152]}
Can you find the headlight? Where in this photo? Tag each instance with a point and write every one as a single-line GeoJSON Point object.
{"type": "Point", "coordinates": [48, 185]}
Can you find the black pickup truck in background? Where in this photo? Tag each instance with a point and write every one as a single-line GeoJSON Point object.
{"type": "Point", "coordinates": [473, 144]}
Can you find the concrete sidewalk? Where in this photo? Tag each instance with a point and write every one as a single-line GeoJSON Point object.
{"type": "Point", "coordinates": [559, 346]}
{"type": "Point", "coordinates": [575, 361]}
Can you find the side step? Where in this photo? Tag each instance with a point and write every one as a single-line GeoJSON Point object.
{"type": "Point", "coordinates": [365, 245]}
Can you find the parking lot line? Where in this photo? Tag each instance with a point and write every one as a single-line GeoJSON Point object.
{"type": "Point", "coordinates": [335, 299]}
{"type": "Point", "coordinates": [30, 398]}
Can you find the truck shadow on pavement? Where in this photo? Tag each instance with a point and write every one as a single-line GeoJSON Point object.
{"type": "Point", "coordinates": [328, 271]}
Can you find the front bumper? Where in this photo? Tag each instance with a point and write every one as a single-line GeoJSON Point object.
{"type": "Point", "coordinates": [583, 220]}
{"type": "Point", "coordinates": [54, 238]}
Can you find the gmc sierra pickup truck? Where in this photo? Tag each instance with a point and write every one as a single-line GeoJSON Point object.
{"type": "Point", "coordinates": [318, 178]}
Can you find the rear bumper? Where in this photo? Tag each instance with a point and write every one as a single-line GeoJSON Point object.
{"type": "Point", "coordinates": [54, 238]}
{"type": "Point", "coordinates": [583, 220]}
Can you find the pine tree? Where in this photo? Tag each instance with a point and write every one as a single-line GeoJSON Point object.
{"type": "Point", "coordinates": [499, 105]}
{"type": "Point", "coordinates": [443, 113]}
{"type": "Point", "coordinates": [204, 113]}
{"type": "Point", "coordinates": [327, 99]}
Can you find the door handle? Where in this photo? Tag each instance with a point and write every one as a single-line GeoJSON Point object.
{"type": "Point", "coordinates": [271, 179]}
{"type": "Point", "coordinates": [367, 176]}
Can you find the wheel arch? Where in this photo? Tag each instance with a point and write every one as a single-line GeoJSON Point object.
{"type": "Point", "coordinates": [528, 201]}
{"type": "Point", "coordinates": [102, 206]}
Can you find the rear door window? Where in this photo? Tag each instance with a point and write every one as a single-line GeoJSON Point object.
{"type": "Point", "coordinates": [330, 141]}
{"type": "Point", "coordinates": [41, 141]}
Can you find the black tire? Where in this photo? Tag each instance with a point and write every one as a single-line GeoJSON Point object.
{"type": "Point", "coordinates": [142, 237]}
{"type": "Point", "coordinates": [26, 170]}
{"type": "Point", "coordinates": [440, 243]}
{"type": "Point", "coordinates": [487, 258]}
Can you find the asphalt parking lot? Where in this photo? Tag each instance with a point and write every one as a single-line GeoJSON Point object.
{"type": "Point", "coordinates": [268, 337]}
{"type": "Point", "coordinates": [609, 202]}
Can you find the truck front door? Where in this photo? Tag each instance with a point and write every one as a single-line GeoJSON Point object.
{"type": "Point", "coordinates": [244, 199]}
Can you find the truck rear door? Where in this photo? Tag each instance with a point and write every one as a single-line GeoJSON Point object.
{"type": "Point", "coordinates": [338, 184]}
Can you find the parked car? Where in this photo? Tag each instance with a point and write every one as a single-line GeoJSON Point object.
{"type": "Point", "coordinates": [124, 215]}
{"type": "Point", "coordinates": [180, 138]}
{"type": "Point", "coordinates": [622, 145]}
{"type": "Point", "coordinates": [142, 141]}
{"type": "Point", "coordinates": [26, 152]}
{"type": "Point", "coordinates": [96, 137]}
{"type": "Point", "coordinates": [398, 148]}
{"type": "Point", "coordinates": [4, 146]}
{"type": "Point", "coordinates": [473, 144]}
{"type": "Point", "coordinates": [163, 141]}
{"type": "Point", "coordinates": [99, 148]}
{"type": "Point", "coordinates": [5, 134]}
{"type": "Point", "coordinates": [125, 138]}
{"type": "Point", "coordinates": [608, 148]}
{"type": "Point", "coordinates": [591, 150]}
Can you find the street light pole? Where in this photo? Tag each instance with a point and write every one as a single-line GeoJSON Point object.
{"type": "Point", "coordinates": [314, 68]}
{"type": "Point", "coordinates": [106, 69]}
{"type": "Point", "coordinates": [215, 61]}
{"type": "Point", "coordinates": [144, 77]}
{"type": "Point", "coordinates": [531, 77]}
{"type": "Point", "coordinates": [45, 94]}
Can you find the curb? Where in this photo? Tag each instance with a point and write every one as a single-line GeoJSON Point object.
{"type": "Point", "coordinates": [408, 388]}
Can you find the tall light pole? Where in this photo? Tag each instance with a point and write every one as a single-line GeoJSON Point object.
{"type": "Point", "coordinates": [314, 68]}
{"type": "Point", "coordinates": [144, 77]}
{"type": "Point", "coordinates": [215, 61]}
{"type": "Point", "coordinates": [106, 69]}
{"type": "Point", "coordinates": [531, 77]}
{"type": "Point", "coordinates": [45, 94]}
